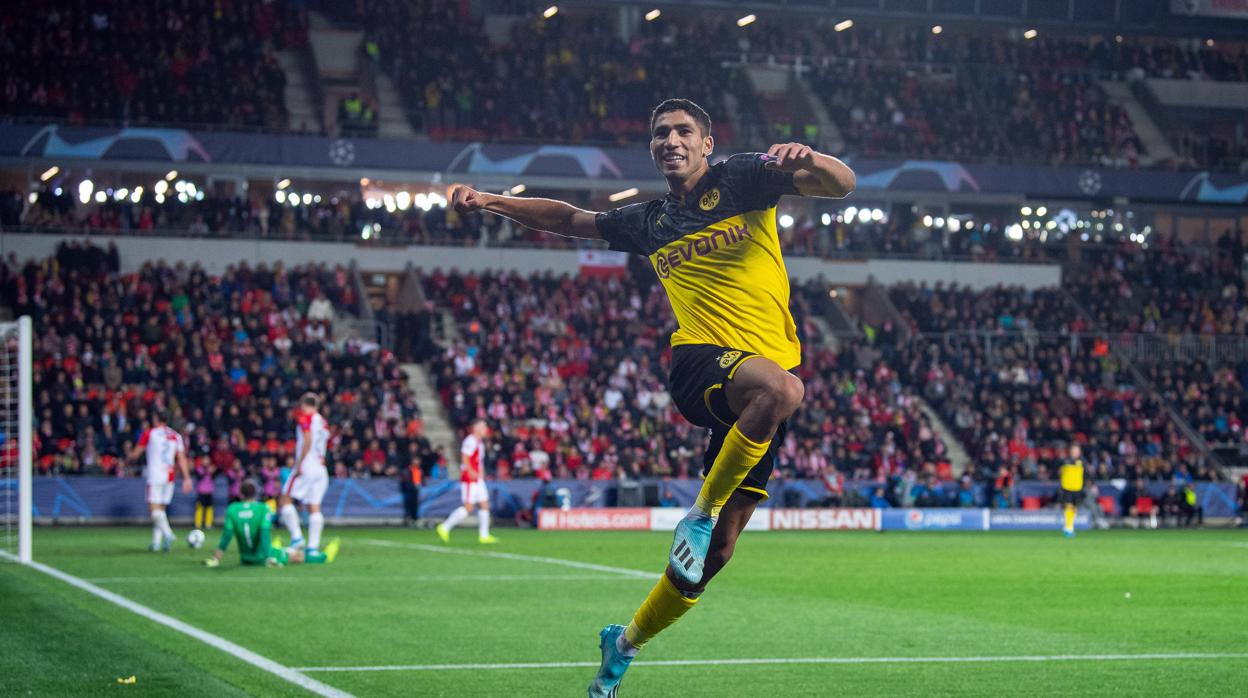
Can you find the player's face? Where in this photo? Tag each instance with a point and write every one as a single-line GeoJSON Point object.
{"type": "Point", "coordinates": [678, 146]}
{"type": "Point", "coordinates": [480, 430]}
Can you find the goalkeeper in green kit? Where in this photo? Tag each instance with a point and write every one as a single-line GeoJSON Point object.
{"type": "Point", "coordinates": [248, 522]}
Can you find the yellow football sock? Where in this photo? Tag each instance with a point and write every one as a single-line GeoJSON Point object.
{"type": "Point", "coordinates": [199, 515]}
{"type": "Point", "coordinates": [1070, 517]}
{"type": "Point", "coordinates": [736, 457]}
{"type": "Point", "coordinates": [664, 606]}
{"type": "Point", "coordinates": [208, 516]}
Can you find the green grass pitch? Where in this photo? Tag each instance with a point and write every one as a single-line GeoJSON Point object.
{"type": "Point", "coordinates": [390, 600]}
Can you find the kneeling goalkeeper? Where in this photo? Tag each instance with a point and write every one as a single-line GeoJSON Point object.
{"type": "Point", "coordinates": [249, 523]}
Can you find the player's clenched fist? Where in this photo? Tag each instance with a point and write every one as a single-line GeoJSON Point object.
{"type": "Point", "coordinates": [790, 157]}
{"type": "Point", "coordinates": [465, 199]}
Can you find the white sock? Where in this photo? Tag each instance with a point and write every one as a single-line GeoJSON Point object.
{"type": "Point", "coordinates": [162, 522]}
{"type": "Point", "coordinates": [290, 517]}
{"type": "Point", "coordinates": [483, 522]}
{"type": "Point", "coordinates": [456, 516]}
{"type": "Point", "coordinates": [316, 524]}
{"type": "Point", "coordinates": [622, 646]}
{"type": "Point", "coordinates": [157, 534]}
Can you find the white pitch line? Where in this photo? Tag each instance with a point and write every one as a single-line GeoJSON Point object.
{"type": "Point", "coordinates": [804, 660]}
{"type": "Point", "coordinates": [292, 675]}
{"type": "Point", "coordinates": [218, 579]}
{"type": "Point", "coordinates": [513, 556]}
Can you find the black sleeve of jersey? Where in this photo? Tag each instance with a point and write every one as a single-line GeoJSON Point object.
{"type": "Point", "coordinates": [764, 186]}
{"type": "Point", "coordinates": [625, 227]}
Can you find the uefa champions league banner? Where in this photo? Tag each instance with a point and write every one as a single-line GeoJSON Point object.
{"type": "Point", "coordinates": [465, 160]}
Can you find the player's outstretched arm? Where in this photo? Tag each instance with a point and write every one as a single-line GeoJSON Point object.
{"type": "Point", "coordinates": [814, 173]}
{"type": "Point", "coordinates": [546, 215]}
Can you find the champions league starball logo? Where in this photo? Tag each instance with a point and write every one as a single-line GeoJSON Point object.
{"type": "Point", "coordinates": [342, 152]}
{"type": "Point", "coordinates": [1090, 182]}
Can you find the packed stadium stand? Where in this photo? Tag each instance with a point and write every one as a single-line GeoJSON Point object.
{"type": "Point", "coordinates": [226, 356]}
{"type": "Point", "coordinates": [147, 63]}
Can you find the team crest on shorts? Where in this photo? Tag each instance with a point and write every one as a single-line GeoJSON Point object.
{"type": "Point", "coordinates": [709, 200]}
{"type": "Point", "coordinates": [726, 359]}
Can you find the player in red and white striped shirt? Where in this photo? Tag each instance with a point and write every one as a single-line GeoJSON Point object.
{"type": "Point", "coordinates": [164, 449]}
{"type": "Point", "coordinates": [310, 478]}
{"type": "Point", "coordinates": [472, 486]}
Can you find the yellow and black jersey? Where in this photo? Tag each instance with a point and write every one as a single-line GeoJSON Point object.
{"type": "Point", "coordinates": [1072, 476]}
{"type": "Point", "coordinates": [717, 254]}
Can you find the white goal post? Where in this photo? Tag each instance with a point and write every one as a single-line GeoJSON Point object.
{"type": "Point", "coordinates": [16, 436]}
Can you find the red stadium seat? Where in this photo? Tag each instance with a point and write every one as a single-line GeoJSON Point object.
{"type": "Point", "coordinates": [1031, 503]}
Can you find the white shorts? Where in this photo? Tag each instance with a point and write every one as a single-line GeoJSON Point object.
{"type": "Point", "coordinates": [160, 492]}
{"type": "Point", "coordinates": [474, 492]}
{"type": "Point", "coordinates": [308, 486]}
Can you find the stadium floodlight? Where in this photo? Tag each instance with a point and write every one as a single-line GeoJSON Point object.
{"type": "Point", "coordinates": [626, 194]}
{"type": "Point", "coordinates": [283, 183]}
{"type": "Point", "coordinates": [403, 200]}
{"type": "Point", "coordinates": [17, 420]}
{"type": "Point", "coordinates": [927, 221]}
{"type": "Point", "coordinates": [1118, 39]}
{"type": "Point", "coordinates": [1030, 34]}
{"type": "Point", "coordinates": [121, 194]}
{"type": "Point", "coordinates": [550, 11]}
{"type": "Point", "coordinates": [160, 198]}
{"type": "Point", "coordinates": [171, 175]}
{"type": "Point", "coordinates": [826, 219]}
{"type": "Point", "coordinates": [307, 199]}
{"type": "Point", "coordinates": [85, 187]}
{"type": "Point", "coordinates": [746, 21]}
{"type": "Point", "coordinates": [786, 221]}
{"type": "Point", "coordinates": [877, 214]}
{"type": "Point", "coordinates": [387, 201]}
{"type": "Point", "coordinates": [1014, 232]}
{"type": "Point", "coordinates": [1026, 210]}
{"type": "Point", "coordinates": [864, 215]}
{"type": "Point", "coordinates": [1209, 43]}
{"type": "Point", "coordinates": [1041, 211]}
{"type": "Point", "coordinates": [49, 173]}
{"type": "Point", "coordinates": [161, 187]}
{"type": "Point", "coordinates": [32, 197]}
{"type": "Point", "coordinates": [850, 213]}
{"type": "Point", "coordinates": [954, 225]}
{"type": "Point", "coordinates": [280, 196]}
{"type": "Point", "coordinates": [844, 24]}
{"type": "Point", "coordinates": [938, 222]}
{"type": "Point", "coordinates": [517, 190]}
{"type": "Point", "coordinates": [937, 29]}
{"type": "Point", "coordinates": [653, 15]}
{"type": "Point", "coordinates": [101, 197]}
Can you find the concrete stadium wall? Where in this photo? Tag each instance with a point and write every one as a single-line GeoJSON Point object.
{"type": "Point", "coordinates": [215, 254]}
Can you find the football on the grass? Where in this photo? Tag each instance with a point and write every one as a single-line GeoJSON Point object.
{"type": "Point", "coordinates": [195, 538]}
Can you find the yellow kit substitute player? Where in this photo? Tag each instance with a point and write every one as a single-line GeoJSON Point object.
{"type": "Point", "coordinates": [1071, 493]}
{"type": "Point", "coordinates": [713, 243]}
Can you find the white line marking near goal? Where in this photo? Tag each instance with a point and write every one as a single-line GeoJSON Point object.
{"type": "Point", "coordinates": [513, 556]}
{"type": "Point", "coordinates": [219, 579]}
{"type": "Point", "coordinates": [1239, 545]}
{"type": "Point", "coordinates": [805, 660]}
{"type": "Point", "coordinates": [292, 675]}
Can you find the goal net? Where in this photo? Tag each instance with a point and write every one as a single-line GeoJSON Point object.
{"type": "Point", "coordinates": [16, 426]}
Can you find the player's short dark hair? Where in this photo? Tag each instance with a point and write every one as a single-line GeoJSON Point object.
{"type": "Point", "coordinates": [698, 113]}
{"type": "Point", "coordinates": [311, 400]}
{"type": "Point", "coordinates": [161, 416]}
{"type": "Point", "coordinates": [248, 489]}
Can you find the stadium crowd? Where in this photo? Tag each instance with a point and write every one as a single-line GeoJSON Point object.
{"type": "Point", "coordinates": [571, 79]}
{"type": "Point", "coordinates": [144, 62]}
{"type": "Point", "coordinates": [1013, 377]}
{"type": "Point", "coordinates": [227, 357]}
{"type": "Point", "coordinates": [574, 370]}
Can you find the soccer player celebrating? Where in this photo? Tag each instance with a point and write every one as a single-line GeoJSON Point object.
{"type": "Point", "coordinates": [309, 479]}
{"type": "Point", "coordinates": [713, 243]}
{"type": "Point", "coordinates": [1071, 477]}
{"type": "Point", "coordinates": [248, 522]}
{"type": "Point", "coordinates": [164, 448]}
{"type": "Point", "coordinates": [471, 486]}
